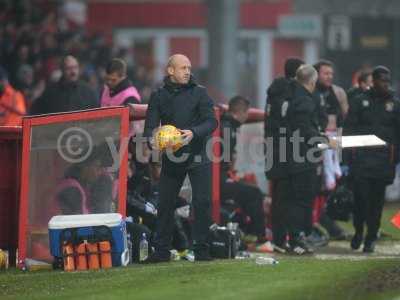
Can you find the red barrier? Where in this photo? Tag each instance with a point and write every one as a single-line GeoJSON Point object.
{"type": "Point", "coordinates": [216, 171]}
{"type": "Point", "coordinates": [10, 162]}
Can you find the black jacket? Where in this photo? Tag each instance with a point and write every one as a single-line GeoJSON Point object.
{"type": "Point", "coordinates": [276, 126]}
{"type": "Point", "coordinates": [64, 97]}
{"type": "Point", "coordinates": [186, 107]}
{"type": "Point", "coordinates": [304, 123]}
{"type": "Point", "coordinates": [229, 128]}
{"type": "Point", "coordinates": [371, 113]}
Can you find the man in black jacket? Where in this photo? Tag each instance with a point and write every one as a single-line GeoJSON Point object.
{"type": "Point", "coordinates": [303, 116]}
{"type": "Point", "coordinates": [247, 197]}
{"type": "Point", "coordinates": [374, 112]}
{"type": "Point", "coordinates": [187, 106]}
{"type": "Point", "coordinates": [364, 84]}
{"type": "Point", "coordinates": [68, 94]}
{"type": "Point", "coordinates": [279, 95]}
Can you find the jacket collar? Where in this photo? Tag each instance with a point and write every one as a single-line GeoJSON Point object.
{"type": "Point", "coordinates": [123, 85]}
{"type": "Point", "coordinates": [235, 123]}
{"type": "Point", "coordinates": [176, 88]}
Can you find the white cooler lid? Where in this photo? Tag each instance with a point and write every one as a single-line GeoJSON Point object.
{"type": "Point", "coordinates": [74, 221]}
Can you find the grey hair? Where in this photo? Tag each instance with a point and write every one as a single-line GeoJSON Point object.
{"type": "Point", "coordinates": [306, 74]}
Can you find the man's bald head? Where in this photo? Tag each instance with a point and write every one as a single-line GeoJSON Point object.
{"type": "Point", "coordinates": [179, 68]}
{"type": "Point", "coordinates": [307, 76]}
{"type": "Point", "coordinates": [177, 58]}
{"type": "Point", "coordinates": [70, 68]}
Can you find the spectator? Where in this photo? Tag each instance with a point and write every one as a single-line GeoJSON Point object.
{"type": "Point", "coordinates": [68, 94]}
{"type": "Point", "coordinates": [12, 102]}
{"type": "Point", "coordinates": [38, 36]}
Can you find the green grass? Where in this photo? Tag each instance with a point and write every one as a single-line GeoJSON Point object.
{"type": "Point", "coordinates": [293, 278]}
{"type": "Point", "coordinates": [386, 226]}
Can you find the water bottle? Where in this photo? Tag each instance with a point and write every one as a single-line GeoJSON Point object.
{"type": "Point", "coordinates": [143, 248]}
{"type": "Point", "coordinates": [266, 260]}
{"type": "Point", "coordinates": [130, 247]}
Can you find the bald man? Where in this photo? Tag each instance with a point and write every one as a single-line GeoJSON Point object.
{"type": "Point", "coordinates": [183, 103]}
{"type": "Point", "coordinates": [68, 94]}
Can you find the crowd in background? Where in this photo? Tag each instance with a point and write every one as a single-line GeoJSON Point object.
{"type": "Point", "coordinates": [35, 36]}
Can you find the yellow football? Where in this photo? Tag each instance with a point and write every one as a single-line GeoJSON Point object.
{"type": "Point", "coordinates": [3, 259]}
{"type": "Point", "coordinates": [168, 137]}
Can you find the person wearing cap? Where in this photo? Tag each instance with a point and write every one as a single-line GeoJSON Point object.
{"type": "Point", "coordinates": [12, 102]}
{"type": "Point", "coordinates": [373, 112]}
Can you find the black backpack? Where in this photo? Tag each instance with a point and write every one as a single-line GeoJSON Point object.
{"type": "Point", "coordinates": [340, 204]}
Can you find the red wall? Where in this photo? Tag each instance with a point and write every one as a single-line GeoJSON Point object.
{"type": "Point", "coordinates": [188, 46]}
{"type": "Point", "coordinates": [282, 50]}
{"type": "Point", "coordinates": [104, 16]}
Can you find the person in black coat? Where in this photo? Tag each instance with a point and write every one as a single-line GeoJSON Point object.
{"type": "Point", "coordinates": [279, 95]}
{"type": "Point", "coordinates": [364, 84]}
{"type": "Point", "coordinates": [303, 116]}
{"type": "Point", "coordinates": [246, 196]}
{"type": "Point", "coordinates": [373, 112]}
{"type": "Point", "coordinates": [184, 104]}
{"type": "Point", "coordinates": [68, 94]}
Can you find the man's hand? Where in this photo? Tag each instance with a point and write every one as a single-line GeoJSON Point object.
{"type": "Point", "coordinates": [187, 136]}
{"type": "Point", "coordinates": [333, 142]}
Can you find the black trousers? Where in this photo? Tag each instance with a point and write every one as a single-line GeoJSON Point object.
{"type": "Point", "coordinates": [170, 185]}
{"type": "Point", "coordinates": [300, 203]}
{"type": "Point", "coordinates": [280, 191]}
{"type": "Point", "coordinates": [250, 199]}
{"type": "Point", "coordinates": [369, 197]}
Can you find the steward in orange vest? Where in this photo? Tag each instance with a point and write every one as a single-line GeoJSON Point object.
{"type": "Point", "coordinates": [12, 103]}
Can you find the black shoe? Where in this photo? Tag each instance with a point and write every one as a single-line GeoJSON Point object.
{"type": "Point", "coordinates": [317, 239]}
{"type": "Point", "coordinates": [356, 241]}
{"type": "Point", "coordinates": [369, 246]}
{"type": "Point", "coordinates": [300, 247]}
{"type": "Point", "coordinates": [157, 258]}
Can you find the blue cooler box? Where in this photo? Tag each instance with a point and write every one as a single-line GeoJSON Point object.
{"type": "Point", "coordinates": [85, 225]}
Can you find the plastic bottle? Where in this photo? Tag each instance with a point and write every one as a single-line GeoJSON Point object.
{"type": "Point", "coordinates": [105, 254]}
{"type": "Point", "coordinates": [81, 261]}
{"type": "Point", "coordinates": [266, 260]}
{"type": "Point", "coordinates": [130, 248]}
{"type": "Point", "coordinates": [93, 255]}
{"type": "Point", "coordinates": [143, 248]}
{"type": "Point", "coordinates": [68, 254]}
